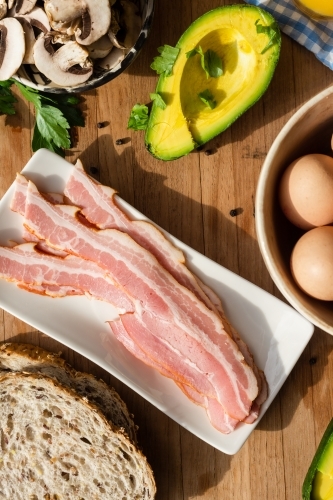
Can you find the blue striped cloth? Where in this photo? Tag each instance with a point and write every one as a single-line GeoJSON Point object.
{"type": "Point", "coordinates": [315, 36]}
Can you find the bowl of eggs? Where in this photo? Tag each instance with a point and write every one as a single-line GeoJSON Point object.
{"type": "Point", "coordinates": [294, 210]}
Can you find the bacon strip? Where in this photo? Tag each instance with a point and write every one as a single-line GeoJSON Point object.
{"type": "Point", "coordinates": [57, 276]}
{"type": "Point", "coordinates": [215, 412]}
{"type": "Point", "coordinates": [97, 203]}
{"type": "Point", "coordinates": [161, 301]}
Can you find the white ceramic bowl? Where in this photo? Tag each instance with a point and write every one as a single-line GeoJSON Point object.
{"type": "Point", "coordinates": [308, 131]}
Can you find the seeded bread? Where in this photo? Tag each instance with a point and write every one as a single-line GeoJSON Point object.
{"type": "Point", "coordinates": [57, 445]}
{"type": "Point", "coordinates": [22, 357]}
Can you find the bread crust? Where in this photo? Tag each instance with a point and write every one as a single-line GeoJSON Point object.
{"type": "Point", "coordinates": [16, 356]}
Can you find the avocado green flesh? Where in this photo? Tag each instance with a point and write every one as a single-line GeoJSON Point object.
{"type": "Point", "coordinates": [318, 483]}
{"type": "Point", "coordinates": [187, 122]}
{"type": "Point", "coordinates": [322, 488]}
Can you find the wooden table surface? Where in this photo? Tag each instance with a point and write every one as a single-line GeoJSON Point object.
{"type": "Point", "coordinates": [192, 198]}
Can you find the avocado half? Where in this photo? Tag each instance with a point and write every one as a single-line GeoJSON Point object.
{"type": "Point", "coordinates": [186, 122]}
{"type": "Point", "coordinates": [318, 483]}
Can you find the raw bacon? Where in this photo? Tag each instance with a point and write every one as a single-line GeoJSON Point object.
{"type": "Point", "coordinates": [215, 412]}
{"type": "Point", "coordinates": [83, 191]}
{"type": "Point", "coordinates": [98, 204]}
{"type": "Point", "coordinates": [53, 275]}
{"type": "Point", "coordinates": [159, 299]}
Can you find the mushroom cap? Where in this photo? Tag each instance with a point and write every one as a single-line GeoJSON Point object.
{"type": "Point", "coordinates": [44, 61]}
{"type": "Point", "coordinates": [12, 47]}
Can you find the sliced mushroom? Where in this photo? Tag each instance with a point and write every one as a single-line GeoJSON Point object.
{"type": "Point", "coordinates": [12, 47]}
{"type": "Point", "coordinates": [96, 21]}
{"type": "Point", "coordinates": [24, 6]}
{"type": "Point", "coordinates": [10, 3]}
{"type": "Point", "coordinates": [62, 13]}
{"type": "Point", "coordinates": [3, 8]}
{"type": "Point", "coordinates": [37, 18]}
{"type": "Point", "coordinates": [59, 37]}
{"type": "Point", "coordinates": [47, 61]}
{"type": "Point", "coordinates": [64, 10]}
{"type": "Point", "coordinates": [33, 23]}
{"type": "Point", "coordinates": [29, 38]}
{"type": "Point", "coordinates": [101, 48]}
{"type": "Point", "coordinates": [112, 60]}
{"type": "Point", "coordinates": [71, 54]}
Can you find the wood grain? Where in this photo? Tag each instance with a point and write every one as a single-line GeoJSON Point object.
{"type": "Point", "coordinates": [192, 199]}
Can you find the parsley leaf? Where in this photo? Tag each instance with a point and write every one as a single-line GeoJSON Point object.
{"type": "Point", "coordinates": [38, 141]}
{"type": "Point", "coordinates": [211, 63]}
{"type": "Point", "coordinates": [7, 98]}
{"type": "Point", "coordinates": [54, 117]}
{"type": "Point", "coordinates": [192, 52]}
{"type": "Point", "coordinates": [138, 119]}
{"type": "Point", "coordinates": [31, 95]}
{"type": "Point", "coordinates": [158, 100]}
{"type": "Point", "coordinates": [53, 126]}
{"type": "Point", "coordinates": [66, 104]}
{"type": "Point", "coordinates": [272, 31]}
{"type": "Point", "coordinates": [164, 63]}
{"type": "Point", "coordinates": [207, 97]}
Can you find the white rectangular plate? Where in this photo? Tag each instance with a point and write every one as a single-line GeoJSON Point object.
{"type": "Point", "coordinates": [275, 333]}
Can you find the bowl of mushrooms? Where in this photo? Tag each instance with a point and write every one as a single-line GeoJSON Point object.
{"type": "Point", "coordinates": [64, 46]}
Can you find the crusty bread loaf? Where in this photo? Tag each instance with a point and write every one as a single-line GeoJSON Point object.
{"type": "Point", "coordinates": [29, 358]}
{"type": "Point", "coordinates": [57, 445]}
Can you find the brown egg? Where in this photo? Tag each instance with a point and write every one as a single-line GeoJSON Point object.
{"type": "Point", "coordinates": [312, 262]}
{"type": "Point", "coordinates": [306, 191]}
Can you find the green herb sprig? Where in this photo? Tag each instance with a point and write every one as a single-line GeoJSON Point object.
{"type": "Point", "coordinates": [54, 115]}
{"type": "Point", "coordinates": [207, 97]}
{"type": "Point", "coordinates": [211, 62]}
{"type": "Point", "coordinates": [164, 63]}
{"type": "Point", "coordinates": [139, 117]}
{"type": "Point", "coordinates": [158, 99]}
{"type": "Point", "coordinates": [272, 31]}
